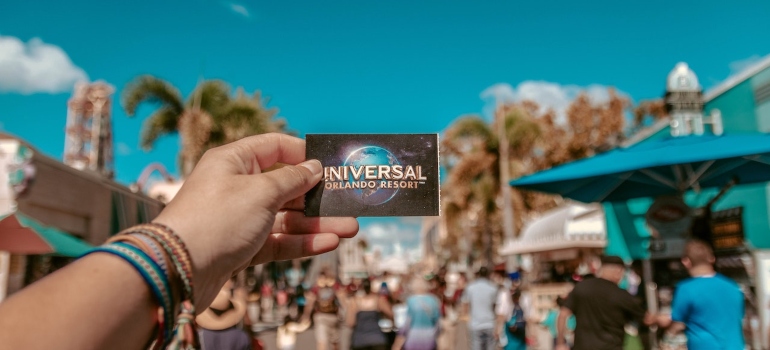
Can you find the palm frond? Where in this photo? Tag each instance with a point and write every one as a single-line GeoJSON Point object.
{"type": "Point", "coordinates": [467, 133]}
{"type": "Point", "coordinates": [164, 121]}
{"type": "Point", "coordinates": [211, 96]}
{"type": "Point", "coordinates": [147, 88]}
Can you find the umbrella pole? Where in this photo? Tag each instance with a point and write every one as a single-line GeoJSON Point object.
{"type": "Point", "coordinates": [650, 289]}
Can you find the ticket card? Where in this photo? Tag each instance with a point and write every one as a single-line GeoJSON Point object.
{"type": "Point", "coordinates": [374, 175]}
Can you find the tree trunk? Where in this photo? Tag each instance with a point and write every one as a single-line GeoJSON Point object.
{"type": "Point", "coordinates": [487, 244]}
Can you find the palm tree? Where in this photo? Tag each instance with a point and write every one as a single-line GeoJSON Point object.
{"type": "Point", "coordinates": [471, 154]}
{"type": "Point", "coordinates": [209, 117]}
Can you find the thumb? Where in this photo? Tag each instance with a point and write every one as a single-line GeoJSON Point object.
{"type": "Point", "coordinates": [292, 181]}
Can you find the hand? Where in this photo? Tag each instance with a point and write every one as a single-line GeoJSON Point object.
{"type": "Point", "coordinates": [231, 215]}
{"type": "Point", "coordinates": [561, 347]}
{"type": "Point", "coordinates": [497, 334]}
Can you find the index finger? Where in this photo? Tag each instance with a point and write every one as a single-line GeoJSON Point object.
{"type": "Point", "coordinates": [254, 154]}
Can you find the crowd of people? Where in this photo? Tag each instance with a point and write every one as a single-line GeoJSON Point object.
{"type": "Point", "coordinates": [423, 310]}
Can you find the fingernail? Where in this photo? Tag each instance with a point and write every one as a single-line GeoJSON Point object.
{"type": "Point", "coordinates": [313, 165]}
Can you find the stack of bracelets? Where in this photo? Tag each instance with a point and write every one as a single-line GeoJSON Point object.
{"type": "Point", "coordinates": [162, 259]}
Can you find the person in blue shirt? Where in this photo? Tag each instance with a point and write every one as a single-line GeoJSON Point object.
{"type": "Point", "coordinates": [709, 306]}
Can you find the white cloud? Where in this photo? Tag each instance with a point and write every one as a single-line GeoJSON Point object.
{"type": "Point", "coordinates": [392, 237]}
{"type": "Point", "coordinates": [239, 9]}
{"type": "Point", "coordinates": [35, 66]}
{"type": "Point", "coordinates": [123, 149]}
{"type": "Point", "coordinates": [546, 94]}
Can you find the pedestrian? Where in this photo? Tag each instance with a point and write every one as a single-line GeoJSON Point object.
{"type": "Point", "coordinates": [253, 308]}
{"type": "Point", "coordinates": [515, 327]}
{"type": "Point", "coordinates": [286, 334]}
{"type": "Point", "coordinates": [363, 315]}
{"type": "Point", "coordinates": [210, 231]}
{"type": "Point", "coordinates": [503, 306]}
{"type": "Point", "coordinates": [300, 300]}
{"type": "Point", "coordinates": [218, 323]}
{"type": "Point", "coordinates": [479, 302]}
{"type": "Point", "coordinates": [551, 317]}
{"type": "Point", "coordinates": [601, 309]}
{"type": "Point", "coordinates": [421, 328]}
{"type": "Point", "coordinates": [668, 341]}
{"type": "Point", "coordinates": [267, 300]}
{"type": "Point", "coordinates": [708, 307]}
{"type": "Point", "coordinates": [295, 275]}
{"type": "Point", "coordinates": [324, 301]}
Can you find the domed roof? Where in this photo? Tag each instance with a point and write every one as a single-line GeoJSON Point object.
{"type": "Point", "coordinates": [682, 78]}
{"type": "Point", "coordinates": [573, 225]}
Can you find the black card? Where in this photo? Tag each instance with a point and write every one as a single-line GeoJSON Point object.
{"type": "Point", "coordinates": [374, 175]}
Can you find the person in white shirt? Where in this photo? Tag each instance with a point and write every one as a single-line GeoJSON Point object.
{"type": "Point", "coordinates": [478, 300]}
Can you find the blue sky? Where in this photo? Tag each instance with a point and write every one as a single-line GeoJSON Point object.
{"type": "Point", "coordinates": [361, 66]}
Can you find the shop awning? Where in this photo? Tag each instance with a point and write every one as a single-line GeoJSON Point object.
{"type": "Point", "coordinates": [20, 234]}
{"type": "Point", "coordinates": [574, 225]}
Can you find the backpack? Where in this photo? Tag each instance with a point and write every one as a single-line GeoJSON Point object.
{"type": "Point", "coordinates": [327, 300]}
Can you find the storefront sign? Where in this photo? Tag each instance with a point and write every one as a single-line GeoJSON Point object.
{"type": "Point", "coordinates": [670, 217]}
{"type": "Point", "coordinates": [727, 228]}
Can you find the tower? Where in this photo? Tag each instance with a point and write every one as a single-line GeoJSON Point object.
{"type": "Point", "coordinates": [684, 103]}
{"type": "Point", "coordinates": [88, 140]}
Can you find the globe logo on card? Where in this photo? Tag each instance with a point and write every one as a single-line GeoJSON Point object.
{"type": "Point", "coordinates": [371, 156]}
{"type": "Point", "coordinates": [374, 175]}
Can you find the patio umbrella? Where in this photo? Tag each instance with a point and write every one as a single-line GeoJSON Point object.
{"type": "Point", "coordinates": [670, 165]}
{"type": "Point", "coordinates": [20, 234]}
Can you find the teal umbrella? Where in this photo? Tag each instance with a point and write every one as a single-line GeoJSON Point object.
{"type": "Point", "coordinates": [666, 166]}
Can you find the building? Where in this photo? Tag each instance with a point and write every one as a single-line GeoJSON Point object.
{"type": "Point", "coordinates": [82, 203]}
{"type": "Point", "coordinates": [352, 262]}
{"type": "Point", "coordinates": [739, 105]}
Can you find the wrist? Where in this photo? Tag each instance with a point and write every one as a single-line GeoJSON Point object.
{"type": "Point", "coordinates": [207, 280]}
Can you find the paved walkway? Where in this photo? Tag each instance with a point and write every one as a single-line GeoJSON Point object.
{"type": "Point", "coordinates": [306, 340]}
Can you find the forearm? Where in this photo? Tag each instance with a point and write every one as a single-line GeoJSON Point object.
{"type": "Point", "coordinates": [399, 342]}
{"type": "Point", "coordinates": [308, 308]}
{"type": "Point", "coordinates": [350, 316]}
{"type": "Point", "coordinates": [499, 322]}
{"type": "Point", "coordinates": [561, 327]}
{"type": "Point", "coordinates": [676, 327]}
{"type": "Point", "coordinates": [98, 302]}
{"type": "Point", "coordinates": [386, 308]}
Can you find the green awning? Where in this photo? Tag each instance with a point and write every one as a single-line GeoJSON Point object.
{"type": "Point", "coordinates": [21, 234]}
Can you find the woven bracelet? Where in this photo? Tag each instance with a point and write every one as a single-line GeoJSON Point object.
{"type": "Point", "coordinates": [150, 272]}
{"type": "Point", "coordinates": [175, 249]}
{"type": "Point", "coordinates": [185, 333]}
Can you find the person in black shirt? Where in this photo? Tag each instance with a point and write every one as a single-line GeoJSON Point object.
{"type": "Point", "coordinates": [601, 310]}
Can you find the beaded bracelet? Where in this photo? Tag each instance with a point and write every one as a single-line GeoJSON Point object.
{"type": "Point", "coordinates": [150, 272]}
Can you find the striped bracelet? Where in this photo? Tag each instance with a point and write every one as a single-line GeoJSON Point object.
{"type": "Point", "coordinates": [150, 272]}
